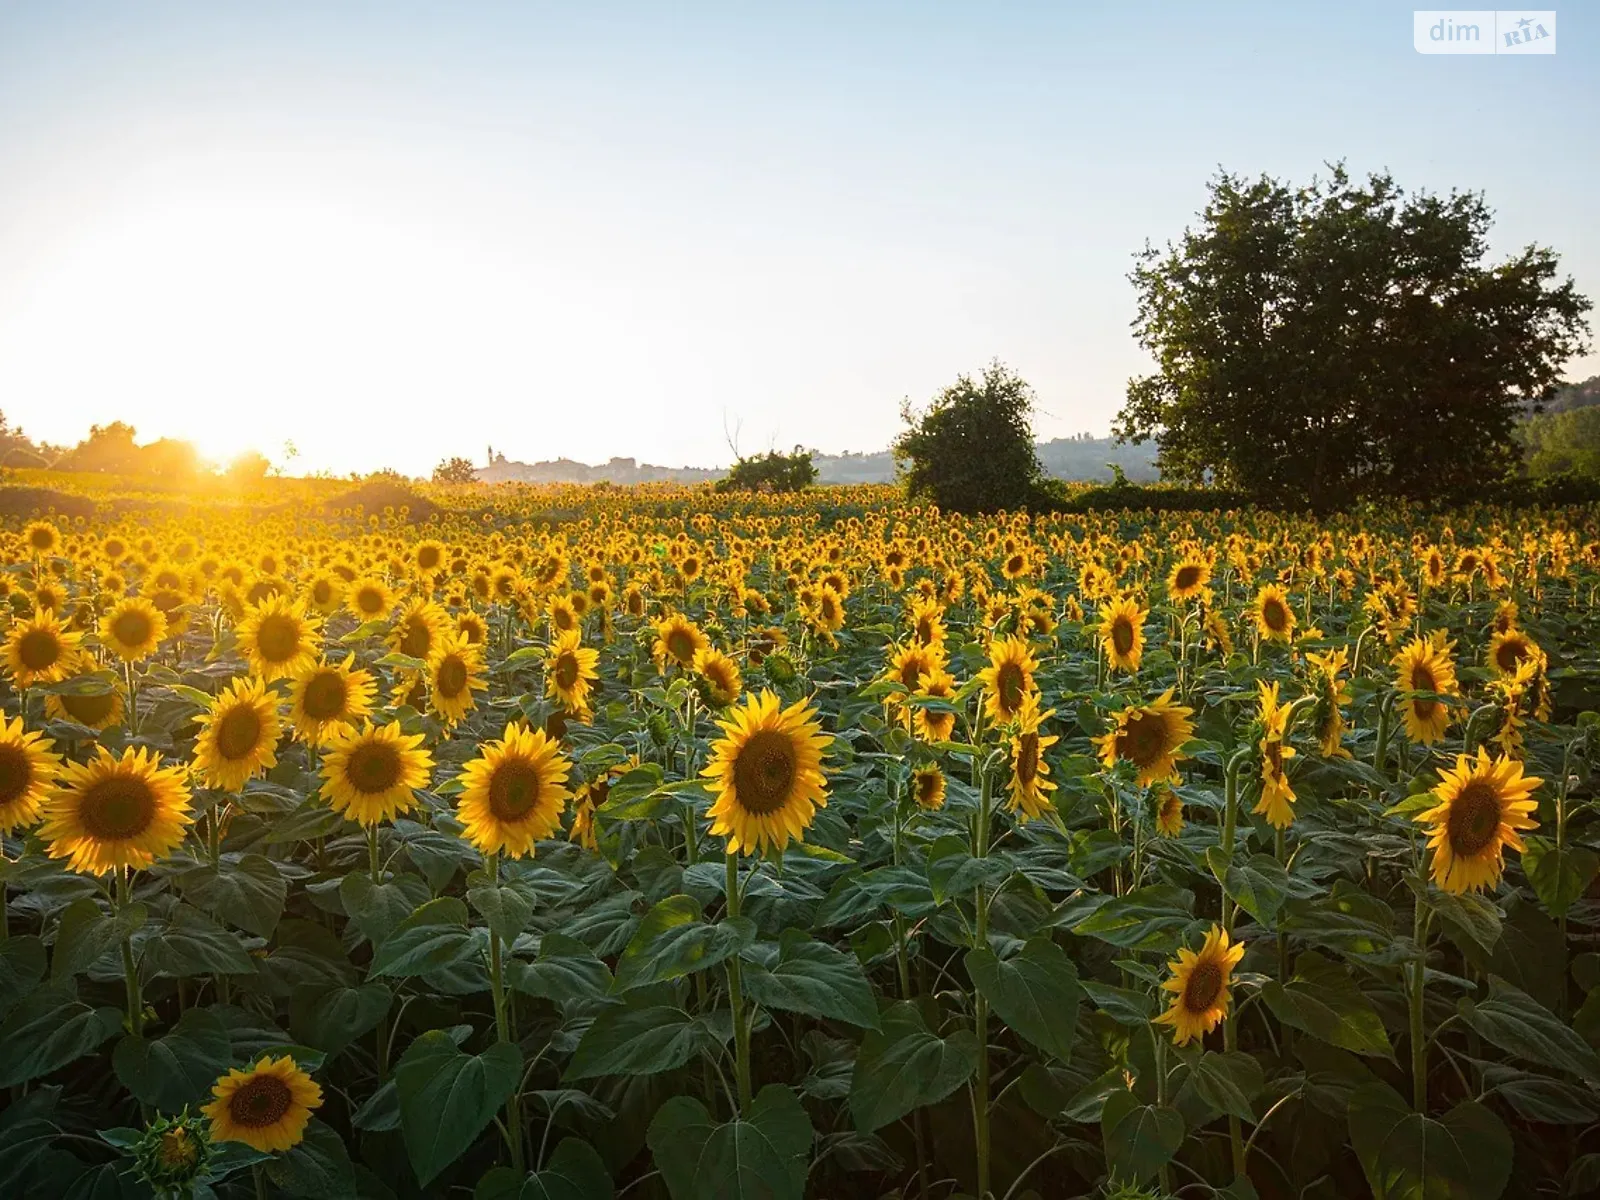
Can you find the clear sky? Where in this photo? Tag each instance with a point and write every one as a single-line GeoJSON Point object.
{"type": "Point", "coordinates": [393, 231]}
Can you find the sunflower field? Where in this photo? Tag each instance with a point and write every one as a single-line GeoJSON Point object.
{"type": "Point", "coordinates": [587, 843]}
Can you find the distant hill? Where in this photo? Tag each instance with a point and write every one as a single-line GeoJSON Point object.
{"type": "Point", "coordinates": [1081, 457]}
{"type": "Point", "coordinates": [1575, 395]}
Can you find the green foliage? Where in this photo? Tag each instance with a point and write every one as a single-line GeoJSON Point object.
{"type": "Point", "coordinates": [1566, 441]}
{"type": "Point", "coordinates": [771, 472]}
{"type": "Point", "coordinates": [455, 470]}
{"type": "Point", "coordinates": [971, 450]}
{"type": "Point", "coordinates": [1339, 340]}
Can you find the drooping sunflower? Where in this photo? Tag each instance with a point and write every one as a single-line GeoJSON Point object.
{"type": "Point", "coordinates": [514, 792]}
{"type": "Point", "coordinates": [1122, 633]}
{"type": "Point", "coordinates": [570, 673]}
{"type": "Point", "coordinates": [239, 736]}
{"type": "Point", "coordinates": [133, 628]}
{"type": "Point", "coordinates": [930, 724]}
{"type": "Point", "coordinates": [113, 812]}
{"type": "Point", "coordinates": [1277, 795]}
{"type": "Point", "coordinates": [678, 640]}
{"type": "Point", "coordinates": [1509, 650]}
{"type": "Point", "coordinates": [1188, 577]}
{"type": "Point", "coordinates": [1200, 986]}
{"type": "Point", "coordinates": [1151, 737]}
{"type": "Point", "coordinates": [277, 638]}
{"type": "Point", "coordinates": [1169, 812]}
{"type": "Point", "coordinates": [724, 683]}
{"type": "Point", "coordinates": [40, 650]}
{"type": "Point", "coordinates": [93, 710]}
{"type": "Point", "coordinates": [767, 770]}
{"type": "Point", "coordinates": [371, 774]}
{"type": "Point", "coordinates": [1483, 803]}
{"type": "Point", "coordinates": [1273, 616]}
{"type": "Point", "coordinates": [266, 1107]}
{"type": "Point", "coordinates": [1328, 717]}
{"type": "Point", "coordinates": [27, 774]}
{"type": "Point", "coordinates": [1008, 679]}
{"type": "Point", "coordinates": [1030, 785]}
{"type": "Point", "coordinates": [327, 700]}
{"type": "Point", "coordinates": [928, 787]}
{"type": "Point", "coordinates": [454, 673]}
{"type": "Point", "coordinates": [1424, 666]}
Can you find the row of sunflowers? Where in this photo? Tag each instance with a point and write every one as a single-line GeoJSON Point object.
{"type": "Point", "coordinates": [597, 842]}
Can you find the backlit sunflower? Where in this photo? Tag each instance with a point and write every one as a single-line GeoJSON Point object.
{"type": "Point", "coordinates": [1030, 787]}
{"type": "Point", "coordinates": [40, 650]}
{"type": "Point", "coordinates": [767, 771]}
{"type": "Point", "coordinates": [113, 812]}
{"type": "Point", "coordinates": [1327, 717]}
{"type": "Point", "coordinates": [41, 538]}
{"type": "Point", "coordinates": [371, 774]}
{"type": "Point", "coordinates": [570, 673]}
{"type": "Point", "coordinates": [1122, 633]}
{"type": "Point", "coordinates": [368, 599]}
{"type": "Point", "coordinates": [1151, 737]}
{"type": "Point", "coordinates": [1008, 679]}
{"type": "Point", "coordinates": [267, 1107]}
{"type": "Point", "coordinates": [1483, 803]}
{"type": "Point", "coordinates": [927, 622]}
{"type": "Point", "coordinates": [325, 593]}
{"type": "Point", "coordinates": [419, 628]}
{"type": "Point", "coordinates": [27, 774]}
{"type": "Point", "coordinates": [514, 792]}
{"type": "Point", "coordinates": [1277, 796]}
{"type": "Point", "coordinates": [1509, 650]}
{"type": "Point", "coordinates": [133, 628]}
{"type": "Point", "coordinates": [908, 666]}
{"type": "Point", "coordinates": [239, 736]}
{"type": "Point", "coordinates": [930, 724]}
{"type": "Point", "coordinates": [96, 710]}
{"type": "Point", "coordinates": [277, 638]}
{"type": "Point", "coordinates": [724, 683]}
{"type": "Point", "coordinates": [678, 640]}
{"type": "Point", "coordinates": [1424, 666]}
{"type": "Point", "coordinates": [928, 787]}
{"type": "Point", "coordinates": [328, 700]}
{"type": "Point", "coordinates": [1199, 985]}
{"type": "Point", "coordinates": [1188, 577]}
{"type": "Point", "coordinates": [454, 673]}
{"type": "Point", "coordinates": [1273, 616]}
{"type": "Point", "coordinates": [1169, 812]}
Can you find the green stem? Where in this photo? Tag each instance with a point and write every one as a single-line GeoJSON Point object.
{"type": "Point", "coordinates": [130, 970]}
{"type": "Point", "coordinates": [980, 1100]}
{"type": "Point", "coordinates": [372, 855]}
{"type": "Point", "coordinates": [741, 1030]}
{"type": "Point", "coordinates": [1230, 1029]}
{"type": "Point", "coordinates": [502, 1026]}
{"type": "Point", "coordinates": [1419, 1046]}
{"type": "Point", "coordinates": [1161, 1100]}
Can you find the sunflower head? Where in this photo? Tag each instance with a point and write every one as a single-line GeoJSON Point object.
{"type": "Point", "coordinates": [1188, 577]}
{"type": "Point", "coordinates": [1273, 615]}
{"type": "Point", "coordinates": [928, 787]}
{"type": "Point", "coordinates": [1168, 812]}
{"type": "Point", "coordinates": [266, 1107]}
{"type": "Point", "coordinates": [767, 772]}
{"type": "Point", "coordinates": [1483, 804]}
{"type": "Point", "coordinates": [39, 649]}
{"type": "Point", "coordinates": [678, 640]}
{"type": "Point", "coordinates": [1122, 633]}
{"type": "Point", "coordinates": [1200, 986]}
{"type": "Point", "coordinates": [278, 638]}
{"type": "Point", "coordinates": [1008, 679]}
{"type": "Point", "coordinates": [514, 792]}
{"type": "Point", "coordinates": [95, 710]}
{"type": "Point", "coordinates": [328, 700]}
{"type": "Point", "coordinates": [371, 774]}
{"type": "Point", "coordinates": [724, 683]}
{"type": "Point", "coordinates": [1151, 737]}
{"type": "Point", "coordinates": [1030, 783]}
{"type": "Point", "coordinates": [27, 774]}
{"type": "Point", "coordinates": [239, 736]}
{"type": "Point", "coordinates": [112, 812]}
{"type": "Point", "coordinates": [454, 673]}
{"type": "Point", "coordinates": [571, 670]}
{"type": "Point", "coordinates": [1509, 650]}
{"type": "Point", "coordinates": [1424, 666]}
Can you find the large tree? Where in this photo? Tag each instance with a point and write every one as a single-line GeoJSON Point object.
{"type": "Point", "coordinates": [971, 449]}
{"type": "Point", "coordinates": [1344, 339]}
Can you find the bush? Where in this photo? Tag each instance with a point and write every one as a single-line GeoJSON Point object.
{"type": "Point", "coordinates": [972, 450]}
{"type": "Point", "coordinates": [771, 472]}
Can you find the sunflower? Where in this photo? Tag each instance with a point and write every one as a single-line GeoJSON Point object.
{"type": "Point", "coordinates": [1008, 679]}
{"type": "Point", "coordinates": [1169, 812]}
{"type": "Point", "coordinates": [39, 650]}
{"type": "Point", "coordinates": [326, 700]}
{"type": "Point", "coordinates": [1188, 577]}
{"type": "Point", "coordinates": [1122, 633]}
{"type": "Point", "coordinates": [133, 628]}
{"type": "Point", "coordinates": [473, 627]}
{"type": "Point", "coordinates": [1199, 985]}
{"type": "Point", "coordinates": [514, 792]}
{"type": "Point", "coordinates": [678, 640]}
{"type": "Point", "coordinates": [721, 673]}
{"type": "Point", "coordinates": [928, 787]}
{"type": "Point", "coordinates": [368, 599]}
{"type": "Point", "coordinates": [1274, 617]}
{"type": "Point", "coordinates": [115, 812]}
{"type": "Point", "coordinates": [267, 1107]}
{"type": "Point", "coordinates": [371, 774]}
{"type": "Point", "coordinates": [827, 614]}
{"type": "Point", "coordinates": [1277, 796]}
{"type": "Point", "coordinates": [325, 593]}
{"type": "Point", "coordinates": [277, 638]}
{"type": "Point", "coordinates": [1483, 802]}
{"type": "Point", "coordinates": [927, 622]}
{"type": "Point", "coordinates": [1425, 666]}
{"type": "Point", "coordinates": [454, 673]}
{"type": "Point", "coordinates": [94, 710]}
{"type": "Point", "coordinates": [419, 628]}
{"type": "Point", "coordinates": [1151, 737]}
{"type": "Point", "coordinates": [767, 770]}
{"type": "Point", "coordinates": [929, 724]}
{"type": "Point", "coordinates": [570, 672]}
{"type": "Point", "coordinates": [1509, 650]}
{"type": "Point", "coordinates": [41, 538]}
{"type": "Point", "coordinates": [563, 616]}
{"type": "Point", "coordinates": [239, 736]}
{"type": "Point", "coordinates": [1030, 787]}
{"type": "Point", "coordinates": [908, 666]}
{"type": "Point", "coordinates": [27, 771]}
{"type": "Point", "coordinates": [1327, 717]}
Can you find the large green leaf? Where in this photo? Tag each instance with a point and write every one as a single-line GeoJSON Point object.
{"type": "Point", "coordinates": [1520, 1025]}
{"type": "Point", "coordinates": [179, 1067]}
{"type": "Point", "coordinates": [673, 940]}
{"type": "Point", "coordinates": [432, 938]}
{"type": "Point", "coordinates": [1464, 1155]}
{"type": "Point", "coordinates": [1473, 920]}
{"type": "Point", "coordinates": [1035, 992]}
{"type": "Point", "coordinates": [1148, 918]}
{"type": "Point", "coordinates": [378, 909]}
{"type": "Point", "coordinates": [191, 943]}
{"type": "Point", "coordinates": [318, 1168]}
{"type": "Point", "coordinates": [811, 977]}
{"type": "Point", "coordinates": [505, 907]}
{"type": "Point", "coordinates": [448, 1097]}
{"type": "Point", "coordinates": [567, 973]}
{"type": "Point", "coordinates": [1257, 883]}
{"type": "Point", "coordinates": [22, 963]}
{"type": "Point", "coordinates": [1220, 1083]}
{"type": "Point", "coordinates": [248, 894]}
{"type": "Point", "coordinates": [639, 1041]}
{"type": "Point", "coordinates": [1324, 1001]}
{"type": "Point", "coordinates": [575, 1171]}
{"type": "Point", "coordinates": [902, 1066]}
{"type": "Point", "coordinates": [330, 1019]}
{"type": "Point", "coordinates": [1139, 1138]}
{"type": "Point", "coordinates": [1560, 875]}
{"type": "Point", "coordinates": [763, 1155]}
{"type": "Point", "coordinates": [49, 1029]}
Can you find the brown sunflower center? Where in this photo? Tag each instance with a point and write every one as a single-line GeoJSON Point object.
{"type": "Point", "coordinates": [1187, 577]}
{"type": "Point", "coordinates": [764, 772]}
{"type": "Point", "coordinates": [925, 631]}
{"type": "Point", "coordinates": [566, 671]}
{"type": "Point", "coordinates": [1201, 989]}
{"type": "Point", "coordinates": [450, 680]}
{"type": "Point", "coordinates": [1027, 758]}
{"type": "Point", "coordinates": [324, 698]}
{"type": "Point", "coordinates": [1510, 654]}
{"type": "Point", "coordinates": [322, 591]}
{"type": "Point", "coordinates": [417, 639]}
{"type": "Point", "coordinates": [1143, 740]}
{"type": "Point", "coordinates": [928, 783]}
{"type": "Point", "coordinates": [428, 557]}
{"type": "Point", "coordinates": [117, 808]}
{"type": "Point", "coordinates": [1008, 684]}
{"type": "Point", "coordinates": [132, 628]}
{"type": "Point", "coordinates": [260, 1101]}
{"type": "Point", "coordinates": [89, 710]}
{"type": "Point", "coordinates": [39, 649]}
{"type": "Point", "coordinates": [513, 789]}
{"type": "Point", "coordinates": [1122, 635]}
{"type": "Point", "coordinates": [1422, 680]}
{"type": "Point", "coordinates": [373, 767]}
{"type": "Point", "coordinates": [1274, 615]}
{"type": "Point", "coordinates": [1474, 820]}
{"type": "Point", "coordinates": [370, 601]}
{"type": "Point", "coordinates": [239, 732]}
{"type": "Point", "coordinates": [278, 638]}
{"type": "Point", "coordinates": [680, 644]}
{"type": "Point", "coordinates": [41, 539]}
{"type": "Point", "coordinates": [16, 772]}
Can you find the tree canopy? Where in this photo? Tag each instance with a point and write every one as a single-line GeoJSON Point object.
{"type": "Point", "coordinates": [771, 472]}
{"type": "Point", "coordinates": [1344, 339]}
{"type": "Point", "coordinates": [971, 449]}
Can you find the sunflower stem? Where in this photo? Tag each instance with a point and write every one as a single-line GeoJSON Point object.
{"type": "Point", "coordinates": [502, 1025]}
{"type": "Point", "coordinates": [130, 970]}
{"type": "Point", "coordinates": [741, 1031]}
{"type": "Point", "coordinates": [980, 1095]}
{"type": "Point", "coordinates": [1230, 1029]}
{"type": "Point", "coordinates": [1419, 1045]}
{"type": "Point", "coordinates": [372, 854]}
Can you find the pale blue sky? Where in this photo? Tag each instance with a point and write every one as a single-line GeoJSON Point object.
{"type": "Point", "coordinates": [395, 231]}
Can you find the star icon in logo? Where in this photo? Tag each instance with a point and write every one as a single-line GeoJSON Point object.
{"type": "Point", "coordinates": [1524, 23]}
